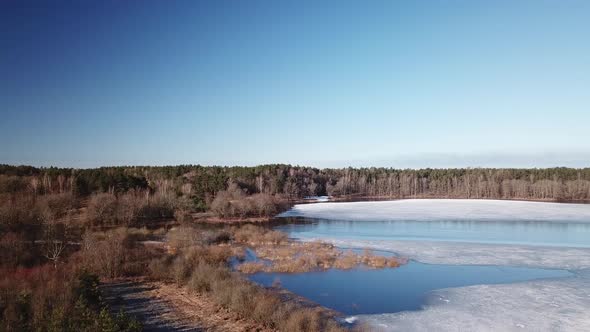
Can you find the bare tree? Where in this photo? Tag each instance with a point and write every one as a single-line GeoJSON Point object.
{"type": "Point", "coordinates": [55, 240]}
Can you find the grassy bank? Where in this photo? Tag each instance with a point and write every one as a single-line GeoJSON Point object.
{"type": "Point", "coordinates": [199, 261]}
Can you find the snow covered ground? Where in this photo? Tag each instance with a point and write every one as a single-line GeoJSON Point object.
{"type": "Point", "coordinates": [542, 305]}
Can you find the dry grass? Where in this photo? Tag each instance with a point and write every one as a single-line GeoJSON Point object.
{"type": "Point", "coordinates": [346, 261]}
{"type": "Point", "coordinates": [203, 269]}
{"type": "Point", "coordinates": [139, 234]}
{"type": "Point", "coordinates": [379, 262]}
{"type": "Point", "coordinates": [200, 263]}
{"type": "Point", "coordinates": [251, 267]}
{"type": "Point", "coordinates": [298, 257]}
{"type": "Point", "coordinates": [256, 235]}
{"type": "Point", "coordinates": [185, 236]}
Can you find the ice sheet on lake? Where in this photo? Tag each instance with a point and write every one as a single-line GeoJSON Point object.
{"type": "Point", "coordinates": [544, 305]}
{"type": "Point", "coordinates": [458, 253]}
{"type": "Point", "coordinates": [444, 209]}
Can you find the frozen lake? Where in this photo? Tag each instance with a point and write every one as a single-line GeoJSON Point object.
{"type": "Point", "coordinates": [373, 291]}
{"type": "Point", "coordinates": [491, 265]}
{"type": "Point", "coordinates": [520, 232]}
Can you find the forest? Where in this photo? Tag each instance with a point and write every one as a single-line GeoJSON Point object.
{"type": "Point", "coordinates": [200, 184]}
{"type": "Point", "coordinates": [63, 231]}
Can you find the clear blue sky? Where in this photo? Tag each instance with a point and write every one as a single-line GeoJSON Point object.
{"type": "Point", "coordinates": [321, 83]}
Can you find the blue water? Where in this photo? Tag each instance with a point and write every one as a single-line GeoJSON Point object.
{"type": "Point", "coordinates": [560, 234]}
{"type": "Point", "coordinates": [369, 291]}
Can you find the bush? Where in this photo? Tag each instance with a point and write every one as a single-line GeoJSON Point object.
{"type": "Point", "coordinates": [234, 203]}
{"type": "Point", "coordinates": [184, 236]}
{"type": "Point", "coordinates": [102, 209]}
{"type": "Point", "coordinates": [250, 234]}
{"type": "Point", "coordinates": [18, 213]}
{"type": "Point", "coordinates": [134, 206]}
{"type": "Point", "coordinates": [87, 289]}
{"type": "Point", "coordinates": [116, 253]}
{"type": "Point", "coordinates": [159, 268]}
{"type": "Point", "coordinates": [106, 253]}
{"type": "Point", "coordinates": [216, 236]}
{"type": "Point", "coordinates": [204, 275]}
{"type": "Point", "coordinates": [12, 184]}
{"type": "Point", "coordinates": [158, 206]}
{"type": "Point", "coordinates": [56, 299]}
{"type": "Point", "coordinates": [128, 207]}
{"type": "Point", "coordinates": [14, 250]}
{"type": "Point", "coordinates": [302, 320]}
{"type": "Point", "coordinates": [181, 237]}
{"type": "Point", "coordinates": [55, 206]}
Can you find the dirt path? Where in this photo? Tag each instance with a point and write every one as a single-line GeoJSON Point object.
{"type": "Point", "coordinates": [166, 307]}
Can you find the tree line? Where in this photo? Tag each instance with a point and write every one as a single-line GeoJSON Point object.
{"type": "Point", "coordinates": [200, 184]}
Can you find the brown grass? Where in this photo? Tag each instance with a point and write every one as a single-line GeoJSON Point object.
{"type": "Point", "coordinates": [297, 257]}
{"type": "Point", "coordinates": [256, 235]}
{"type": "Point", "coordinates": [200, 263]}
{"type": "Point", "coordinates": [203, 269]}
{"type": "Point", "coordinates": [379, 262]}
{"type": "Point", "coordinates": [347, 261]}
{"type": "Point", "coordinates": [251, 267]}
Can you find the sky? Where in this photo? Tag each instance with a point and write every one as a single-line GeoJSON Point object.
{"type": "Point", "coordinates": [321, 83]}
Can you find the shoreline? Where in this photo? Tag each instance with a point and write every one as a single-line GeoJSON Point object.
{"type": "Point", "coordinates": [353, 198]}
{"type": "Point", "coordinates": [209, 218]}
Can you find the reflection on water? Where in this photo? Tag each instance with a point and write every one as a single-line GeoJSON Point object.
{"type": "Point", "coordinates": [367, 291]}
{"type": "Point", "coordinates": [501, 232]}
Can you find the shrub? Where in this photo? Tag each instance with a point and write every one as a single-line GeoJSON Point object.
{"type": "Point", "coordinates": [56, 299]}
{"type": "Point", "coordinates": [158, 206]}
{"type": "Point", "coordinates": [87, 289]}
{"type": "Point", "coordinates": [102, 209]}
{"type": "Point", "coordinates": [205, 275]}
{"type": "Point", "coordinates": [55, 206]}
{"type": "Point", "coordinates": [185, 236]}
{"type": "Point", "coordinates": [106, 253]}
{"type": "Point", "coordinates": [234, 202]}
{"type": "Point", "coordinates": [18, 213]}
{"type": "Point", "coordinates": [128, 207]}
{"type": "Point", "coordinates": [12, 184]}
{"type": "Point", "coordinates": [134, 206]}
{"type": "Point", "coordinates": [159, 268]}
{"type": "Point", "coordinates": [14, 251]}
{"type": "Point", "coordinates": [181, 237]}
{"type": "Point", "coordinates": [266, 306]}
{"type": "Point", "coordinates": [250, 234]}
{"type": "Point", "coordinates": [216, 236]}
{"type": "Point", "coordinates": [305, 319]}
